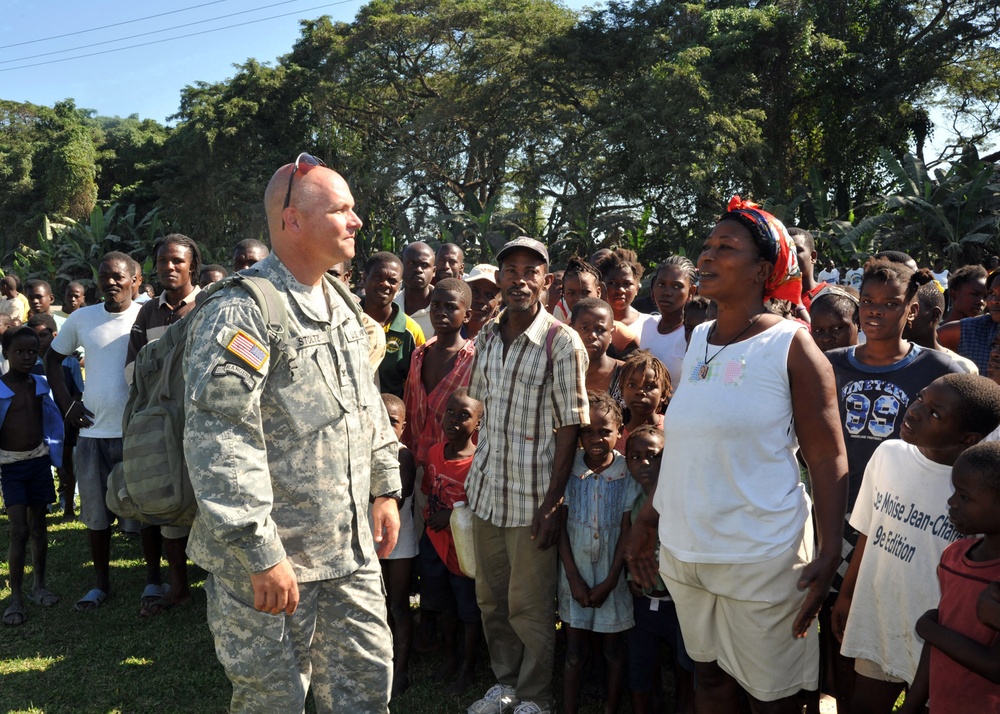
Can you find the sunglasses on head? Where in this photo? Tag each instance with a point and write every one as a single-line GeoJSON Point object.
{"type": "Point", "coordinates": [306, 162]}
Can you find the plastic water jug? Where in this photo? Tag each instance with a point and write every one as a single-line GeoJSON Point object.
{"type": "Point", "coordinates": [461, 532]}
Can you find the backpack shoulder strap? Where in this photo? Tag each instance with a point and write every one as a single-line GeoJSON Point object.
{"type": "Point", "coordinates": [272, 309]}
{"type": "Point", "coordinates": [550, 337]}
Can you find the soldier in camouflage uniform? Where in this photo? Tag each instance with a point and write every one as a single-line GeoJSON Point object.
{"type": "Point", "coordinates": [283, 456]}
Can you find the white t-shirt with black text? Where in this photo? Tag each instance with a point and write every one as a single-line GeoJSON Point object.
{"type": "Point", "coordinates": [903, 509]}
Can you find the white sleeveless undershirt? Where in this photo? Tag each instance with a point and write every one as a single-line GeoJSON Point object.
{"type": "Point", "coordinates": [729, 488]}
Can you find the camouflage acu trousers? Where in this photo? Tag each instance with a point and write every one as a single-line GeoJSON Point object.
{"type": "Point", "coordinates": [337, 642]}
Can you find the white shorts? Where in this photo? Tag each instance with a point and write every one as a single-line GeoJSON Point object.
{"type": "Point", "coordinates": [740, 615]}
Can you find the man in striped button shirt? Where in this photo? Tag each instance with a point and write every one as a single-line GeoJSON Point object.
{"type": "Point", "coordinates": [530, 373]}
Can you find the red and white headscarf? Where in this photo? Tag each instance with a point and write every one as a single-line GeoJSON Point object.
{"type": "Point", "coordinates": [785, 282]}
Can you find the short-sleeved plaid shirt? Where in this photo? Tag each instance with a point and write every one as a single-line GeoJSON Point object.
{"type": "Point", "coordinates": [527, 396]}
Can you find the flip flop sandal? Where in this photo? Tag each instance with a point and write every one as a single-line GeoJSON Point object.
{"type": "Point", "coordinates": [14, 616]}
{"type": "Point", "coordinates": [43, 597]}
{"type": "Point", "coordinates": [152, 601]}
{"type": "Point", "coordinates": [91, 601]}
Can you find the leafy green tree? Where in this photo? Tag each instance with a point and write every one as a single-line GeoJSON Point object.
{"type": "Point", "coordinates": [231, 137]}
{"type": "Point", "coordinates": [69, 164]}
{"type": "Point", "coordinates": [130, 158]}
{"type": "Point", "coordinates": [686, 103]}
{"type": "Point", "coordinates": [888, 58]}
{"type": "Point", "coordinates": [23, 127]}
{"type": "Point", "coordinates": [676, 114]}
{"type": "Point", "coordinates": [631, 124]}
{"type": "Point", "coordinates": [971, 96]}
{"type": "Point", "coordinates": [60, 162]}
{"type": "Point", "coordinates": [433, 100]}
{"type": "Point", "coordinates": [68, 250]}
{"type": "Point", "coordinates": [953, 214]}
{"type": "Point", "coordinates": [481, 235]}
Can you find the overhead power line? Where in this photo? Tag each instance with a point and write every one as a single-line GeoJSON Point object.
{"type": "Point", "coordinates": [114, 24]}
{"type": "Point", "coordinates": [171, 39]}
{"type": "Point", "coordinates": [151, 32]}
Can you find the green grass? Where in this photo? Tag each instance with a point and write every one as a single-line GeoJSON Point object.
{"type": "Point", "coordinates": [108, 660]}
{"type": "Point", "coordinates": [111, 660]}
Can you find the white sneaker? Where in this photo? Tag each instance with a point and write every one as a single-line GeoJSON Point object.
{"type": "Point", "coordinates": [531, 708]}
{"type": "Point", "coordinates": [498, 700]}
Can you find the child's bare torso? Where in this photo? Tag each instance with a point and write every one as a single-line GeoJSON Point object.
{"type": "Point", "coordinates": [22, 428]}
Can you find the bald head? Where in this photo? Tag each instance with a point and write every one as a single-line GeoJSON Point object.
{"type": "Point", "coordinates": [300, 195]}
{"type": "Point", "coordinates": [316, 230]}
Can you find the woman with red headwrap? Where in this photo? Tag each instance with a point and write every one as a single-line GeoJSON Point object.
{"type": "Point", "coordinates": [733, 518]}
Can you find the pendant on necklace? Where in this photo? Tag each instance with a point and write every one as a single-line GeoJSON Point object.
{"type": "Point", "coordinates": [703, 371]}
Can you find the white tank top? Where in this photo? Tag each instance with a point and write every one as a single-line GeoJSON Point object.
{"type": "Point", "coordinates": [669, 348]}
{"type": "Point", "coordinates": [729, 488]}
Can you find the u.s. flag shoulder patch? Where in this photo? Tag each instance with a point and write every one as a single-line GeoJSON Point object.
{"type": "Point", "coordinates": [248, 349]}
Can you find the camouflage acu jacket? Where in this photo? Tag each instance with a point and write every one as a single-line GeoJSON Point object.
{"type": "Point", "coordinates": [284, 465]}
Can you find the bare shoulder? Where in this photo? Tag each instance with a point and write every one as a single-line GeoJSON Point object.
{"type": "Point", "coordinates": [949, 334]}
{"type": "Point", "coordinates": [813, 388]}
{"type": "Point", "coordinates": [806, 358]}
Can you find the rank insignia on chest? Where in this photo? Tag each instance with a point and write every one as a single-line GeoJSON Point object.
{"type": "Point", "coordinates": [248, 349]}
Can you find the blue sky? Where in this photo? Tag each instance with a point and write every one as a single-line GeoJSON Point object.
{"type": "Point", "coordinates": [147, 80]}
{"type": "Point", "coordinates": [144, 80]}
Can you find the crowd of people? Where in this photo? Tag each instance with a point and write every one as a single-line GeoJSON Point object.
{"type": "Point", "coordinates": [788, 478]}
